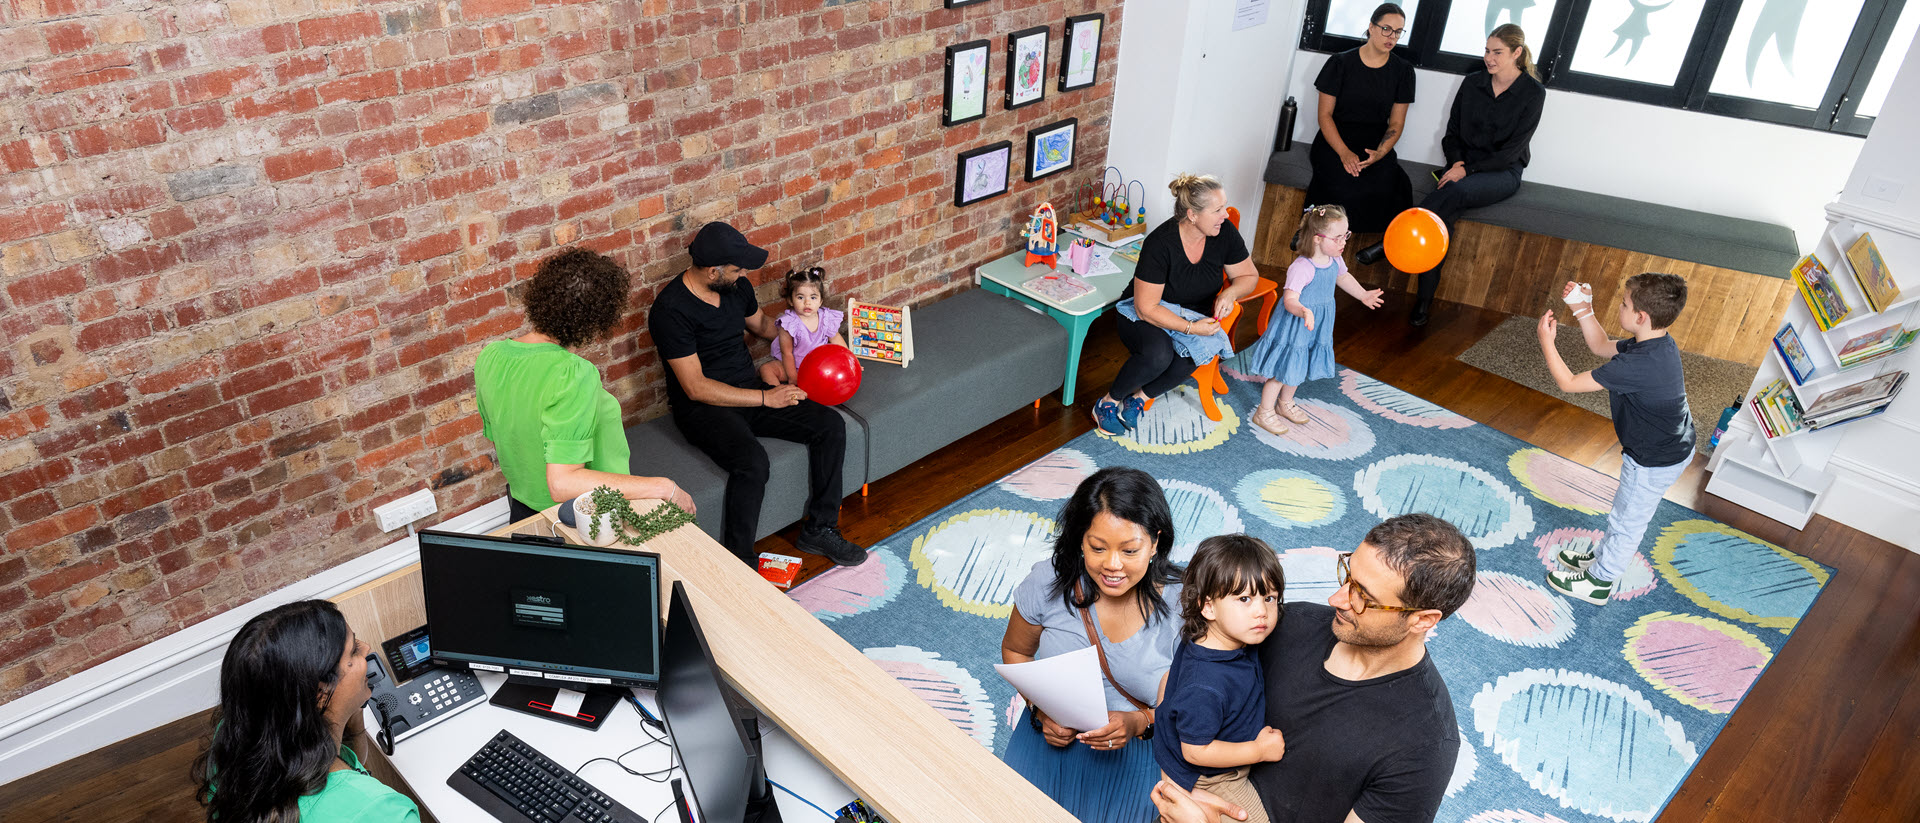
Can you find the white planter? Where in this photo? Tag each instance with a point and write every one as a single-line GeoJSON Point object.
{"type": "Point", "coordinates": [608, 532]}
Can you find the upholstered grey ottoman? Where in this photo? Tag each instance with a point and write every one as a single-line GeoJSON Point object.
{"type": "Point", "coordinates": [658, 450]}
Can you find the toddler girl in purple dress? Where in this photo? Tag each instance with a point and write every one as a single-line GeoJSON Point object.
{"type": "Point", "coordinates": [804, 326]}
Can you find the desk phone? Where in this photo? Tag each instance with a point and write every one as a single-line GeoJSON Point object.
{"type": "Point", "coordinates": [410, 693]}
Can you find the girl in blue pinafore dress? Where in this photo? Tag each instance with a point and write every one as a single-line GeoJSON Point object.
{"type": "Point", "coordinates": [1299, 345]}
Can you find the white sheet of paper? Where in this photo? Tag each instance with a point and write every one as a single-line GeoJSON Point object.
{"type": "Point", "coordinates": [1065, 686]}
{"type": "Point", "coordinates": [1102, 264]}
{"type": "Point", "coordinates": [1249, 13]}
{"type": "Point", "coordinates": [568, 702]}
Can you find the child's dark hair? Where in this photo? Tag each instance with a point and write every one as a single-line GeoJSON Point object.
{"type": "Point", "coordinates": [797, 277]}
{"type": "Point", "coordinates": [1660, 295]}
{"type": "Point", "coordinates": [1223, 566]}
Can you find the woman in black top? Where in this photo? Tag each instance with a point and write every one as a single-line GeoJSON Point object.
{"type": "Point", "coordinates": [1182, 263]}
{"type": "Point", "coordinates": [1364, 94]}
{"type": "Point", "coordinates": [1494, 115]}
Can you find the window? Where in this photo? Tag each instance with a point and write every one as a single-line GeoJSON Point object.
{"type": "Point", "coordinates": [1819, 64]}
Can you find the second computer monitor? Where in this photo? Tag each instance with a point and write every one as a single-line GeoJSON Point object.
{"type": "Point", "coordinates": [713, 743]}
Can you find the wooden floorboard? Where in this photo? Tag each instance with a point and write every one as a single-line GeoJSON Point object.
{"type": "Point", "coordinates": [1831, 732]}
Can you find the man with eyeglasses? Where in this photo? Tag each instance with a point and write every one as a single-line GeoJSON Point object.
{"type": "Point", "coordinates": [1370, 729]}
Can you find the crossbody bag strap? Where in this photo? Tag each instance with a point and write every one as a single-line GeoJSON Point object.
{"type": "Point", "coordinates": [1086, 617]}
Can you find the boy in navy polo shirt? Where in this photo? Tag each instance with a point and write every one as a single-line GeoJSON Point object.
{"type": "Point", "coordinates": [1648, 398]}
{"type": "Point", "coordinates": [1213, 706]}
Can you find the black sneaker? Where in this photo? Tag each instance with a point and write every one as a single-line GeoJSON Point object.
{"type": "Point", "coordinates": [827, 542]}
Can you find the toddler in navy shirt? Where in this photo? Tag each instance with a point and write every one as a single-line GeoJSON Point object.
{"type": "Point", "coordinates": [1213, 705]}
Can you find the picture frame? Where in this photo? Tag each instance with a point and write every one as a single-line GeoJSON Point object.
{"type": "Point", "coordinates": [965, 86]}
{"type": "Point", "coordinates": [1050, 148]}
{"type": "Point", "coordinates": [1027, 66]}
{"type": "Point", "coordinates": [1080, 51]}
{"type": "Point", "coordinates": [983, 173]}
{"type": "Point", "coordinates": [956, 4]}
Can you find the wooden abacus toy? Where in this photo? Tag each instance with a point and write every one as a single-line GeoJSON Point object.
{"type": "Point", "coordinates": [881, 333]}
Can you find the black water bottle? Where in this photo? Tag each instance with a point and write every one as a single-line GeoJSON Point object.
{"type": "Point", "coordinates": [1284, 140]}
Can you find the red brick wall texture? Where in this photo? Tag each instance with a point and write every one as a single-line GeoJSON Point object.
{"type": "Point", "coordinates": [249, 249]}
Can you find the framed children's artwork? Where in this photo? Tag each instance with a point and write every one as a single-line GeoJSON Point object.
{"type": "Point", "coordinates": [1080, 56]}
{"type": "Point", "coordinates": [966, 84]}
{"type": "Point", "coordinates": [1050, 148]}
{"type": "Point", "coordinates": [983, 173]}
{"type": "Point", "coordinates": [1026, 66]}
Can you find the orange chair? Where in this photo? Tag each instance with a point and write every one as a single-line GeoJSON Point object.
{"type": "Point", "coordinates": [1208, 375]}
{"type": "Point", "coordinates": [1262, 288]}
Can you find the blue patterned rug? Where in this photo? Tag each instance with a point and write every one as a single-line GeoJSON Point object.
{"type": "Point", "coordinates": [1567, 711]}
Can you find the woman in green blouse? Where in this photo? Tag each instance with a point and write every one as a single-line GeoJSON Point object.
{"type": "Point", "coordinates": [291, 686]}
{"type": "Point", "coordinates": [556, 430]}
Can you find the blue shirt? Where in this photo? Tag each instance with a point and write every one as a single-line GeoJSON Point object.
{"type": "Point", "coordinates": [1211, 695]}
{"type": "Point", "coordinates": [1137, 662]}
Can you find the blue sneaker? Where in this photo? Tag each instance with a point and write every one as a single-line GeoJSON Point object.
{"type": "Point", "coordinates": [1106, 417]}
{"type": "Point", "coordinates": [1130, 411]}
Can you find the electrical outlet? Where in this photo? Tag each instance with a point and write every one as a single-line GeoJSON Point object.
{"type": "Point", "coordinates": [1881, 187]}
{"type": "Point", "coordinates": [405, 510]}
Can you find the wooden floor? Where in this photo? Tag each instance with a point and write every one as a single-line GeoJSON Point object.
{"type": "Point", "coordinates": [1831, 732]}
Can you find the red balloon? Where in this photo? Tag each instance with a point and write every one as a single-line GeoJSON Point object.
{"type": "Point", "coordinates": [829, 375]}
{"type": "Point", "coordinates": [1416, 241]}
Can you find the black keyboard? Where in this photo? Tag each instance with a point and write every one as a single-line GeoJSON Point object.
{"type": "Point", "coordinates": [516, 783]}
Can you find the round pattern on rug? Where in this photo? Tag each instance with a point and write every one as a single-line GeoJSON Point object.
{"type": "Point", "coordinates": [1512, 816]}
{"type": "Point", "coordinates": [1396, 405]}
{"type": "Point", "coordinates": [1562, 482]}
{"type": "Point", "coordinates": [1310, 573]}
{"type": "Point", "coordinates": [1330, 433]}
{"type": "Point", "coordinates": [1177, 425]}
{"type": "Point", "coordinates": [843, 591]}
{"type": "Point", "coordinates": [974, 560]}
{"type": "Point", "coordinates": [1639, 579]}
{"type": "Point", "coordinates": [1198, 513]}
{"type": "Point", "coordinates": [1053, 477]}
{"type": "Point", "coordinates": [1591, 744]}
{"type": "Point", "coordinates": [1464, 766]}
{"type": "Point", "coordinates": [1705, 663]}
{"type": "Point", "coordinates": [1514, 610]}
{"type": "Point", "coordinates": [951, 690]}
{"type": "Point", "coordinates": [1290, 499]}
{"type": "Point", "coordinates": [1736, 575]}
{"type": "Point", "coordinates": [1483, 508]}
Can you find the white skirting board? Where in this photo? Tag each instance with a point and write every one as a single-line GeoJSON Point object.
{"type": "Point", "coordinates": [177, 675]}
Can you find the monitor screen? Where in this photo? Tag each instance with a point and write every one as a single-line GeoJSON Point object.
{"type": "Point", "coordinates": [712, 742]}
{"type": "Point", "coordinates": [567, 613]}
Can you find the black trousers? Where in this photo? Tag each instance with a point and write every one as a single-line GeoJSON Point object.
{"type": "Point", "coordinates": [1152, 366]}
{"type": "Point", "coordinates": [727, 436]}
{"type": "Point", "coordinates": [1448, 203]}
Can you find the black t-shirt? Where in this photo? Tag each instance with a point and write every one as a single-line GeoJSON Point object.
{"type": "Point", "coordinates": [1163, 260]}
{"type": "Point", "coordinates": [1364, 96]}
{"type": "Point", "coordinates": [1384, 748]}
{"type": "Point", "coordinates": [683, 324]}
{"type": "Point", "coordinates": [1648, 396]}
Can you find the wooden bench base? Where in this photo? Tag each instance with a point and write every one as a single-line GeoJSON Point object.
{"type": "Point", "coordinates": [1730, 314]}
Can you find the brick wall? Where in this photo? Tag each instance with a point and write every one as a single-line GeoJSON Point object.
{"type": "Point", "coordinates": [249, 249]}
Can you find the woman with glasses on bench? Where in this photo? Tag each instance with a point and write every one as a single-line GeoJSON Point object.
{"type": "Point", "coordinates": [1364, 95]}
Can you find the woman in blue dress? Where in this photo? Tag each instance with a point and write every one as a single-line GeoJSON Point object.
{"type": "Point", "coordinates": [1298, 346]}
{"type": "Point", "coordinates": [1110, 577]}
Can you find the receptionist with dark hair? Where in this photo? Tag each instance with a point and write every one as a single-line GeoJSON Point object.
{"type": "Point", "coordinates": [556, 430]}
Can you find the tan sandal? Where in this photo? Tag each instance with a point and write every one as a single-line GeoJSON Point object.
{"type": "Point", "coordinates": [1266, 419]}
{"type": "Point", "coordinates": [1298, 416]}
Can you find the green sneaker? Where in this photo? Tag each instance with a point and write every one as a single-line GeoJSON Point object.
{"type": "Point", "coordinates": [1576, 559]}
{"type": "Point", "coordinates": [1581, 585]}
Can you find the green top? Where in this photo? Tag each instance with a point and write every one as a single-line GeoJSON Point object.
{"type": "Point", "coordinates": [353, 796]}
{"type": "Point", "coordinates": [540, 404]}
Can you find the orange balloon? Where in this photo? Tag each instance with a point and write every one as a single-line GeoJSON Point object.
{"type": "Point", "coordinates": [1416, 240]}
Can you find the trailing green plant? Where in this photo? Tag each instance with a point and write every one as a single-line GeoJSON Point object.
{"type": "Point", "coordinates": [630, 527]}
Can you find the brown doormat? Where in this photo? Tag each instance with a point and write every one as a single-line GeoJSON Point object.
{"type": "Point", "coordinates": [1512, 351]}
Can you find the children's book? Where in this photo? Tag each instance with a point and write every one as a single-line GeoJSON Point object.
{"type": "Point", "coordinates": [1793, 354]}
{"type": "Point", "coordinates": [1829, 307]}
{"type": "Point", "coordinates": [1864, 393]}
{"type": "Point", "coordinates": [1871, 270]}
{"type": "Point", "coordinates": [1870, 344]}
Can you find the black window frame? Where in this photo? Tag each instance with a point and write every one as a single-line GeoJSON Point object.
{"type": "Point", "coordinates": [1554, 51]}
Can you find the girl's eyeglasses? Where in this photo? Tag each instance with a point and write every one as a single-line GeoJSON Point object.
{"type": "Point", "coordinates": [1341, 237]}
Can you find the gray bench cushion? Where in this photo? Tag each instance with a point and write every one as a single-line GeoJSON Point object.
{"type": "Point", "coordinates": [659, 450]}
{"type": "Point", "coordinates": [1603, 220]}
{"type": "Point", "coordinates": [977, 357]}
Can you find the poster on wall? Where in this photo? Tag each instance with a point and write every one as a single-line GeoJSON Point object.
{"type": "Point", "coordinates": [966, 83]}
{"type": "Point", "coordinates": [1026, 66]}
{"type": "Point", "coordinates": [1080, 56]}
{"type": "Point", "coordinates": [1050, 148]}
{"type": "Point", "coordinates": [982, 173]}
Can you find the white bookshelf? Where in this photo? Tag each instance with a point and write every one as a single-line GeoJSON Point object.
{"type": "Point", "coordinates": [1787, 478]}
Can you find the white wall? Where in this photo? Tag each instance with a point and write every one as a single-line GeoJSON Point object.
{"type": "Point", "coordinates": [1704, 162]}
{"type": "Point", "coordinates": [1195, 96]}
{"type": "Point", "coordinates": [1889, 154]}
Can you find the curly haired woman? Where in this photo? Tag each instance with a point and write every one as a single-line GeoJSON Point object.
{"type": "Point", "coordinates": [556, 430]}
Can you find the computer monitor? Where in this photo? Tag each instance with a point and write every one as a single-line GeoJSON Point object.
{"type": "Point", "coordinates": [718, 749]}
{"type": "Point", "coordinates": [567, 616]}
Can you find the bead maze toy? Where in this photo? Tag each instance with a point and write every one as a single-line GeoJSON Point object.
{"type": "Point", "coordinates": [1043, 237]}
{"type": "Point", "coordinates": [1110, 210]}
